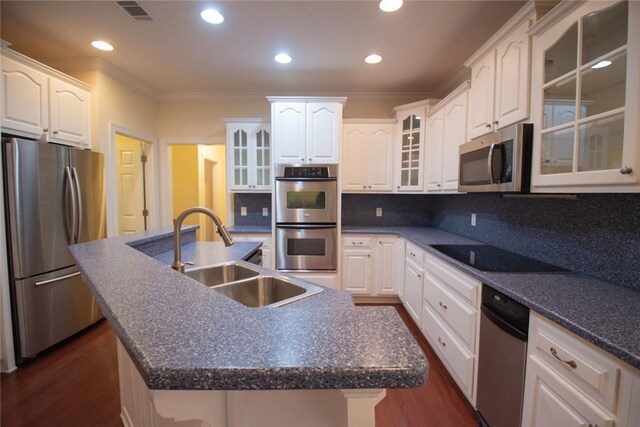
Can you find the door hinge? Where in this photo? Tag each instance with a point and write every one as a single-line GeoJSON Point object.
{"type": "Point", "coordinates": [145, 212]}
{"type": "Point", "coordinates": [143, 158]}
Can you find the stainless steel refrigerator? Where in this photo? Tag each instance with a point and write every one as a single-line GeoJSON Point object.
{"type": "Point", "coordinates": [54, 196]}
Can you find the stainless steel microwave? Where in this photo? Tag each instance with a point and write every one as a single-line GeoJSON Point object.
{"type": "Point", "coordinates": [497, 162]}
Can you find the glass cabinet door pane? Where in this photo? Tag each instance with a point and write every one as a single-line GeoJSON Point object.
{"type": "Point", "coordinates": [406, 141]}
{"type": "Point", "coordinates": [406, 124]}
{"type": "Point", "coordinates": [259, 158]}
{"type": "Point", "coordinates": [600, 144]}
{"type": "Point", "coordinates": [560, 99]}
{"type": "Point", "coordinates": [404, 177]}
{"type": "Point", "coordinates": [415, 122]}
{"type": "Point", "coordinates": [557, 151]}
{"type": "Point", "coordinates": [604, 31]}
{"type": "Point", "coordinates": [561, 58]}
{"type": "Point", "coordinates": [415, 140]}
{"type": "Point", "coordinates": [266, 138]}
{"type": "Point", "coordinates": [259, 139]}
{"type": "Point", "coordinates": [603, 89]}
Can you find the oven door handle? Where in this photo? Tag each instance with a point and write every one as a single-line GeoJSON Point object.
{"type": "Point", "coordinates": [282, 178]}
{"type": "Point", "coordinates": [307, 226]}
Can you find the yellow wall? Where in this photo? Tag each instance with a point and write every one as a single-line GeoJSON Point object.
{"type": "Point", "coordinates": [184, 167]}
{"type": "Point", "coordinates": [215, 153]}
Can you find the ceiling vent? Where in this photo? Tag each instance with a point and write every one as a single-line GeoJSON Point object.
{"type": "Point", "coordinates": [134, 10]}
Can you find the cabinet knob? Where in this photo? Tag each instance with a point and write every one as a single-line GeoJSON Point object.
{"type": "Point", "coordinates": [369, 186]}
{"type": "Point", "coordinates": [442, 342]}
{"type": "Point", "coordinates": [45, 130]}
{"type": "Point", "coordinates": [419, 276]}
{"type": "Point", "coordinates": [495, 123]}
{"type": "Point", "coordinates": [368, 255]}
{"type": "Point", "coordinates": [309, 159]}
{"type": "Point", "coordinates": [398, 187]}
{"type": "Point", "coordinates": [364, 186]}
{"type": "Point", "coordinates": [488, 126]}
{"type": "Point", "coordinates": [438, 185]}
{"type": "Point", "coordinates": [444, 306]}
{"type": "Point", "coordinates": [625, 170]}
{"type": "Point", "coordinates": [55, 132]}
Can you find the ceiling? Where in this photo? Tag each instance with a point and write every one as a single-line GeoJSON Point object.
{"type": "Point", "coordinates": [422, 44]}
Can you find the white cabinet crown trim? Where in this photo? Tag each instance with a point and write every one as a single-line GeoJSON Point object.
{"type": "Point", "coordinates": [369, 121]}
{"type": "Point", "coordinates": [554, 16]}
{"type": "Point", "coordinates": [452, 95]}
{"type": "Point", "coordinates": [307, 99]}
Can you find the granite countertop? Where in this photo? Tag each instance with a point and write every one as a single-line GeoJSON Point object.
{"type": "Point", "coordinates": [183, 335]}
{"type": "Point", "coordinates": [250, 229]}
{"type": "Point", "coordinates": [604, 313]}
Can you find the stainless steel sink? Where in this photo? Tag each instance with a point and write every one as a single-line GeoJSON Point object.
{"type": "Point", "coordinates": [265, 291]}
{"type": "Point", "coordinates": [221, 274]}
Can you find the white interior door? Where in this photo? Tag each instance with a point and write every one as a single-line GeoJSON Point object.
{"type": "Point", "coordinates": [129, 169]}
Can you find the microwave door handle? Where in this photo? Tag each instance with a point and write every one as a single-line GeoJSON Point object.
{"type": "Point", "coordinates": [490, 162]}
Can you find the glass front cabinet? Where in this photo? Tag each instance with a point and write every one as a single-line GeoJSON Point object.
{"type": "Point", "coordinates": [249, 156]}
{"type": "Point", "coordinates": [585, 95]}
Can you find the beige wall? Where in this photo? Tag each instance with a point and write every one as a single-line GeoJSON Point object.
{"type": "Point", "coordinates": [184, 179]}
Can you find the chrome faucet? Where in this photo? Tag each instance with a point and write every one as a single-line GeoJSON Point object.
{"type": "Point", "coordinates": [178, 264]}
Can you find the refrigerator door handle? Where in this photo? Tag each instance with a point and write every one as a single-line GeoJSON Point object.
{"type": "Point", "coordinates": [74, 208]}
{"type": "Point", "coordinates": [78, 195]}
{"type": "Point", "coordinates": [57, 279]}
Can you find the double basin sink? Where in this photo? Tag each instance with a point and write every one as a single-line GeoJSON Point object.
{"type": "Point", "coordinates": [252, 286]}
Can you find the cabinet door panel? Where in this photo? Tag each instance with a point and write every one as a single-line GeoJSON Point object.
{"type": "Point", "coordinates": [381, 158]}
{"type": "Point", "coordinates": [356, 276]}
{"type": "Point", "coordinates": [289, 131]}
{"type": "Point", "coordinates": [355, 158]}
{"type": "Point", "coordinates": [512, 78]}
{"type": "Point", "coordinates": [24, 99]}
{"type": "Point", "coordinates": [454, 134]}
{"type": "Point", "coordinates": [386, 278]}
{"type": "Point", "coordinates": [481, 97]}
{"type": "Point", "coordinates": [413, 291]}
{"type": "Point", "coordinates": [435, 141]}
{"type": "Point", "coordinates": [324, 124]}
{"type": "Point", "coordinates": [69, 113]}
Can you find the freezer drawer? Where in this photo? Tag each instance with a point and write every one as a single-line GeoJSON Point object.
{"type": "Point", "coordinates": [50, 308]}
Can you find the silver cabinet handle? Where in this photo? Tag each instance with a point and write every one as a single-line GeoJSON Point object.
{"type": "Point", "coordinates": [444, 344]}
{"type": "Point", "coordinates": [444, 306]}
{"type": "Point", "coordinates": [625, 170]}
{"type": "Point", "coordinates": [571, 363]}
{"type": "Point", "coordinates": [57, 279]}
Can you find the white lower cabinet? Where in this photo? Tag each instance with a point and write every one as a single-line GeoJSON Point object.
{"type": "Point", "coordinates": [267, 253]}
{"type": "Point", "coordinates": [369, 265]}
{"type": "Point", "coordinates": [413, 274]}
{"type": "Point", "coordinates": [571, 382]}
{"type": "Point", "coordinates": [329, 279]}
{"type": "Point", "coordinates": [450, 321]}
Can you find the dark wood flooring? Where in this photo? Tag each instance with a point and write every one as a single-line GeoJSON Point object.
{"type": "Point", "coordinates": [76, 384]}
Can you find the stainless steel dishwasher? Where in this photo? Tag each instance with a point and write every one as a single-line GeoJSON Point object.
{"type": "Point", "coordinates": [504, 325]}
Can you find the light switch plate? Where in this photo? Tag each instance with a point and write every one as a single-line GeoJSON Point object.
{"type": "Point", "coordinates": [243, 211]}
{"type": "Point", "coordinates": [378, 211]}
{"type": "Point", "coordinates": [473, 220]}
{"type": "Point", "coordinates": [265, 211]}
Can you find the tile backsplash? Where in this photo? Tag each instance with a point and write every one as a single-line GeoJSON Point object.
{"type": "Point", "coordinates": [254, 202]}
{"type": "Point", "coordinates": [397, 209]}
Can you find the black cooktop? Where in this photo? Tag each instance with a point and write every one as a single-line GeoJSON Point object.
{"type": "Point", "coordinates": [492, 259]}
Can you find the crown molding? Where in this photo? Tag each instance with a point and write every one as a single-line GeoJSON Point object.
{"type": "Point", "coordinates": [553, 16]}
{"type": "Point", "coordinates": [369, 121]}
{"type": "Point", "coordinates": [245, 120]}
{"type": "Point", "coordinates": [99, 64]}
{"type": "Point", "coordinates": [452, 82]}
{"type": "Point", "coordinates": [466, 85]}
{"type": "Point", "coordinates": [252, 96]}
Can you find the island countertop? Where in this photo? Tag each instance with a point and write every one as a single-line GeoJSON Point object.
{"type": "Point", "coordinates": [184, 336]}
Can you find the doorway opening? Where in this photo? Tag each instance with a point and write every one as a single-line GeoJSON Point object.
{"type": "Point", "coordinates": [198, 178]}
{"type": "Point", "coordinates": [132, 175]}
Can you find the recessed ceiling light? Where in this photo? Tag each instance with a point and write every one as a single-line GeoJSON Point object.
{"type": "Point", "coordinates": [102, 45]}
{"type": "Point", "coordinates": [601, 64]}
{"type": "Point", "coordinates": [390, 5]}
{"type": "Point", "coordinates": [212, 16]}
{"type": "Point", "coordinates": [282, 58]}
{"type": "Point", "coordinates": [373, 59]}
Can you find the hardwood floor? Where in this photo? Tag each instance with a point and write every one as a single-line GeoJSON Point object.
{"type": "Point", "coordinates": [76, 384]}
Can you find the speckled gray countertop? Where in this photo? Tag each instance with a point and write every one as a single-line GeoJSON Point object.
{"type": "Point", "coordinates": [183, 335]}
{"type": "Point", "coordinates": [604, 313]}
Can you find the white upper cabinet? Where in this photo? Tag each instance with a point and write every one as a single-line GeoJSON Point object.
{"type": "Point", "coordinates": [38, 100]}
{"type": "Point", "coordinates": [585, 98]}
{"type": "Point", "coordinates": [69, 113]}
{"type": "Point", "coordinates": [410, 137]}
{"type": "Point", "coordinates": [446, 130]}
{"type": "Point", "coordinates": [306, 130]}
{"type": "Point", "coordinates": [367, 156]}
{"type": "Point", "coordinates": [24, 94]}
{"type": "Point", "coordinates": [248, 155]}
{"type": "Point", "coordinates": [499, 94]}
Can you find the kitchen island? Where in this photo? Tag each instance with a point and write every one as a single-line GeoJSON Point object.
{"type": "Point", "coordinates": [189, 354]}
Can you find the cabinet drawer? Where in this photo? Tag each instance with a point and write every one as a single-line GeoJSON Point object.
{"type": "Point", "coordinates": [356, 241]}
{"type": "Point", "coordinates": [595, 372]}
{"type": "Point", "coordinates": [459, 316]}
{"type": "Point", "coordinates": [415, 254]}
{"type": "Point", "coordinates": [461, 283]}
{"type": "Point", "coordinates": [458, 360]}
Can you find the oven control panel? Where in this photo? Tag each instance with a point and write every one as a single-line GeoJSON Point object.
{"type": "Point", "coordinates": [306, 172]}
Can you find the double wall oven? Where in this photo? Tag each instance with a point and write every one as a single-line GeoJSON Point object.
{"type": "Point", "coordinates": [306, 211]}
